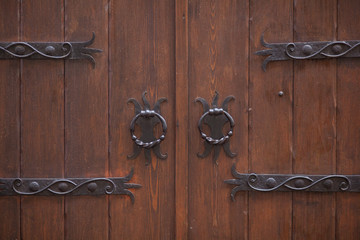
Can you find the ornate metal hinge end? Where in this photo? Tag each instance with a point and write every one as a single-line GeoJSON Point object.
{"type": "Point", "coordinates": [307, 50]}
{"type": "Point", "coordinates": [291, 182]}
{"type": "Point", "coordinates": [49, 50]}
{"type": "Point", "coordinates": [68, 186]}
{"type": "Point", "coordinates": [147, 119]}
{"type": "Point", "coordinates": [216, 118]}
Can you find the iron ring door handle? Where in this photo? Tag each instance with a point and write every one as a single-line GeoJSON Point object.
{"type": "Point", "coordinates": [148, 114]}
{"type": "Point", "coordinates": [147, 118]}
{"type": "Point", "coordinates": [216, 117]}
{"type": "Point", "coordinates": [216, 112]}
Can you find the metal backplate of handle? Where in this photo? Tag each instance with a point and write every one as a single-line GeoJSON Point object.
{"type": "Point", "coordinates": [147, 118]}
{"type": "Point", "coordinates": [216, 118]}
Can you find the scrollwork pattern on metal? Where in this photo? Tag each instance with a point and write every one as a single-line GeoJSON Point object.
{"type": "Point", "coordinates": [68, 186]}
{"type": "Point", "coordinates": [308, 50]}
{"type": "Point", "coordinates": [48, 50]}
{"type": "Point", "coordinates": [216, 117]}
{"type": "Point", "coordinates": [147, 119]}
{"type": "Point", "coordinates": [291, 182]}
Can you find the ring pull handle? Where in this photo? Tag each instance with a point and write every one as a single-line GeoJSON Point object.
{"type": "Point", "coordinates": [147, 119]}
{"type": "Point", "coordinates": [147, 114]}
{"type": "Point", "coordinates": [216, 112]}
{"type": "Point", "coordinates": [216, 117]}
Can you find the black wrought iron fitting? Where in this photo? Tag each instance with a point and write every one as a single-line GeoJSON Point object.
{"type": "Point", "coordinates": [308, 50]}
{"type": "Point", "coordinates": [216, 118]}
{"type": "Point", "coordinates": [48, 50]}
{"type": "Point", "coordinates": [68, 186]}
{"type": "Point", "coordinates": [147, 119]}
{"type": "Point", "coordinates": [292, 182]}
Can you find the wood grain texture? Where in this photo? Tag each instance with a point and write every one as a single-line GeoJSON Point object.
{"type": "Point", "coordinates": [142, 41]}
{"type": "Point", "coordinates": [86, 118]}
{"type": "Point", "coordinates": [181, 50]}
{"type": "Point", "coordinates": [42, 120]}
{"type": "Point", "coordinates": [270, 124]}
{"type": "Point", "coordinates": [182, 120]}
{"type": "Point", "coordinates": [218, 61]}
{"type": "Point", "coordinates": [314, 120]}
{"type": "Point", "coordinates": [348, 123]}
{"type": "Point", "coordinates": [10, 120]}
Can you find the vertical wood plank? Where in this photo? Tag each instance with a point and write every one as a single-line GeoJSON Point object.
{"type": "Point", "coordinates": [86, 118]}
{"type": "Point", "coordinates": [348, 123]}
{"type": "Point", "coordinates": [314, 120]}
{"type": "Point", "coordinates": [142, 38]}
{"type": "Point", "coordinates": [270, 124]}
{"type": "Point", "coordinates": [218, 61]}
{"type": "Point", "coordinates": [182, 121]}
{"type": "Point", "coordinates": [9, 120]}
{"type": "Point", "coordinates": [42, 125]}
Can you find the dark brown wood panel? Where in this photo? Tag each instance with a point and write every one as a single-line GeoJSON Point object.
{"type": "Point", "coordinates": [142, 38]}
{"type": "Point", "coordinates": [67, 119]}
{"type": "Point", "coordinates": [348, 122]}
{"type": "Point", "coordinates": [314, 120]}
{"type": "Point", "coordinates": [182, 120]}
{"type": "Point", "coordinates": [86, 118]}
{"type": "Point", "coordinates": [218, 53]}
{"type": "Point", "coordinates": [270, 124]}
{"type": "Point", "coordinates": [10, 120]}
{"type": "Point", "coordinates": [42, 120]}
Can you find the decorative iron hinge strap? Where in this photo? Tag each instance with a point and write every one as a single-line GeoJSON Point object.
{"type": "Point", "coordinates": [290, 182]}
{"type": "Point", "coordinates": [67, 186]}
{"type": "Point", "coordinates": [48, 50]}
{"type": "Point", "coordinates": [308, 50]}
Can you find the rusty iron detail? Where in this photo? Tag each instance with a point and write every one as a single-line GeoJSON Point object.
{"type": "Point", "coordinates": [48, 50]}
{"type": "Point", "coordinates": [292, 182]}
{"type": "Point", "coordinates": [216, 118]}
{"type": "Point", "coordinates": [68, 186]}
{"type": "Point", "coordinates": [147, 119]}
{"type": "Point", "coordinates": [308, 50]}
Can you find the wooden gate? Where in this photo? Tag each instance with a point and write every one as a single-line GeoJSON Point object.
{"type": "Point", "coordinates": [65, 119]}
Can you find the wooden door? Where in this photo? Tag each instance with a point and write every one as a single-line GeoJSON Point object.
{"type": "Point", "coordinates": [65, 119]}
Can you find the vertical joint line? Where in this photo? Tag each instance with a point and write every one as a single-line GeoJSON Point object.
{"type": "Point", "coordinates": [109, 122]}
{"type": "Point", "coordinates": [293, 121]}
{"type": "Point", "coordinates": [336, 229]}
{"type": "Point", "coordinates": [249, 119]}
{"type": "Point", "coordinates": [20, 36]}
{"type": "Point", "coordinates": [64, 84]}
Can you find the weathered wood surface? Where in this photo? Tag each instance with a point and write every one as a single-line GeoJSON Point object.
{"type": "Point", "coordinates": [86, 119]}
{"type": "Point", "coordinates": [270, 124]}
{"type": "Point", "coordinates": [66, 119]}
{"type": "Point", "coordinates": [218, 54]}
{"type": "Point", "coordinates": [42, 119]}
{"type": "Point", "coordinates": [10, 121]}
{"type": "Point", "coordinates": [142, 47]}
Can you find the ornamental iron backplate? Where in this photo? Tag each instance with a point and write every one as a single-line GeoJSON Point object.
{"type": "Point", "coordinates": [68, 186]}
{"type": "Point", "coordinates": [48, 50]}
{"type": "Point", "coordinates": [308, 50]}
{"type": "Point", "coordinates": [216, 118]}
{"type": "Point", "coordinates": [147, 119]}
{"type": "Point", "coordinates": [292, 182]}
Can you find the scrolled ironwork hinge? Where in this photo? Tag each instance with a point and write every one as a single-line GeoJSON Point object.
{"type": "Point", "coordinates": [292, 182]}
{"type": "Point", "coordinates": [49, 50]}
{"type": "Point", "coordinates": [68, 186]}
{"type": "Point", "coordinates": [307, 50]}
